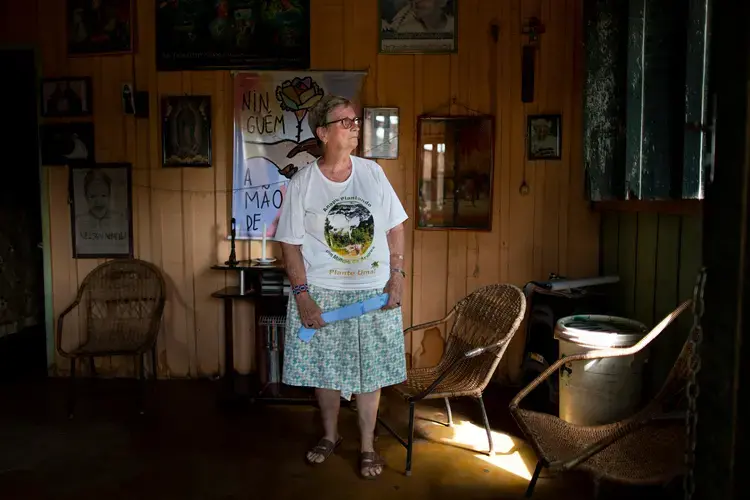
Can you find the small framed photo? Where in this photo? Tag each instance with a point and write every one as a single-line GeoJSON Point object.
{"type": "Point", "coordinates": [62, 143]}
{"type": "Point", "coordinates": [380, 133]}
{"type": "Point", "coordinates": [186, 131]}
{"type": "Point", "coordinates": [418, 27]}
{"type": "Point", "coordinates": [99, 27]}
{"type": "Point", "coordinates": [101, 212]}
{"type": "Point", "coordinates": [61, 97]}
{"type": "Point", "coordinates": [544, 137]}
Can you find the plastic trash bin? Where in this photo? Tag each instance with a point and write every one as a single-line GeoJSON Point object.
{"type": "Point", "coordinates": [599, 391]}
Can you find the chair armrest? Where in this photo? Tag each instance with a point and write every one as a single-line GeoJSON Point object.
{"type": "Point", "coordinates": [472, 353]}
{"type": "Point", "coordinates": [60, 319]}
{"type": "Point", "coordinates": [429, 324]}
{"type": "Point", "coordinates": [614, 352]}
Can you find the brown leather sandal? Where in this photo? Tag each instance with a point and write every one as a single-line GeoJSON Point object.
{"type": "Point", "coordinates": [370, 460]}
{"type": "Point", "coordinates": [324, 447]}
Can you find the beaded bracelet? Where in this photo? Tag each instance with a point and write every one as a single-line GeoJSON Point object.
{"type": "Point", "coordinates": [299, 289]}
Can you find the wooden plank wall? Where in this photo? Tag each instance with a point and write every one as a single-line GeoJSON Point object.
{"type": "Point", "coordinates": [657, 257]}
{"type": "Point", "coordinates": [180, 215]}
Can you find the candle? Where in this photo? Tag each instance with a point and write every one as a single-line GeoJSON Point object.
{"type": "Point", "coordinates": [263, 244]}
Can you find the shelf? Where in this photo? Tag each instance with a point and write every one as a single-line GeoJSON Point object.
{"type": "Point", "coordinates": [673, 207]}
{"type": "Point", "coordinates": [247, 265]}
{"type": "Point", "coordinates": [233, 292]}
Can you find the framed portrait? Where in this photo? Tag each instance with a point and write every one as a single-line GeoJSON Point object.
{"type": "Point", "coordinates": [380, 133]}
{"type": "Point", "coordinates": [62, 97]}
{"type": "Point", "coordinates": [544, 137]}
{"type": "Point", "coordinates": [62, 143]}
{"type": "Point", "coordinates": [455, 164]}
{"type": "Point", "coordinates": [418, 27]}
{"type": "Point", "coordinates": [186, 131]}
{"type": "Point", "coordinates": [100, 27]}
{"type": "Point", "coordinates": [101, 212]}
{"type": "Point", "coordinates": [247, 34]}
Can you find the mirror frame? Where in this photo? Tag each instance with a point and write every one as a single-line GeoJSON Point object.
{"type": "Point", "coordinates": [418, 211]}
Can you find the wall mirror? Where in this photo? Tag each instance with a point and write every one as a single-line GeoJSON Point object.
{"type": "Point", "coordinates": [454, 172]}
{"type": "Point", "coordinates": [380, 133]}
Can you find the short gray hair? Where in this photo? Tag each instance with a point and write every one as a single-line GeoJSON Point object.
{"type": "Point", "coordinates": [318, 114]}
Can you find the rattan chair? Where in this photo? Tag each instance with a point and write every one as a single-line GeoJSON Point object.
{"type": "Point", "coordinates": [484, 323]}
{"type": "Point", "coordinates": [647, 448]}
{"type": "Point", "coordinates": [120, 304]}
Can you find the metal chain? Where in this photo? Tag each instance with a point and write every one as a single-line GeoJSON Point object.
{"type": "Point", "coordinates": [692, 390]}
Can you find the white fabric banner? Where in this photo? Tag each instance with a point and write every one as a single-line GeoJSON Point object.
{"type": "Point", "coordinates": [272, 138]}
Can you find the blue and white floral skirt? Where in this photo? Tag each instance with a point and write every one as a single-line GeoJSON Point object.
{"type": "Point", "coordinates": [354, 356]}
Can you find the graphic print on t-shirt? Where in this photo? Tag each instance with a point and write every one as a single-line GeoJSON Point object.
{"type": "Point", "coordinates": [349, 229]}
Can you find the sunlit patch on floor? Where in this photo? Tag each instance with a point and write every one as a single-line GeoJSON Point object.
{"type": "Point", "coordinates": [468, 435]}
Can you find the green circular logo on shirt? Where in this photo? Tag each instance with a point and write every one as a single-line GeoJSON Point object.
{"type": "Point", "coordinates": [349, 230]}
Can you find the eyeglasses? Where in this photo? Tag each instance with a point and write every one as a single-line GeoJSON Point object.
{"type": "Point", "coordinates": [347, 122]}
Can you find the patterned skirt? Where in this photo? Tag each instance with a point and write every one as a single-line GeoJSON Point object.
{"type": "Point", "coordinates": [354, 356]}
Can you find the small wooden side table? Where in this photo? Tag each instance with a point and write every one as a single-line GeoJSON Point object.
{"type": "Point", "coordinates": [263, 285]}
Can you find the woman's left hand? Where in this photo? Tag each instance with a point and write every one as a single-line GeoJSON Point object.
{"type": "Point", "coordinates": [394, 288]}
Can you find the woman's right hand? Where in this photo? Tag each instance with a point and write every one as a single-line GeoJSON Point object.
{"type": "Point", "coordinates": [309, 312]}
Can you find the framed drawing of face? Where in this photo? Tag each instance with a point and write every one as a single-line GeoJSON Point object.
{"type": "Point", "coordinates": [101, 213]}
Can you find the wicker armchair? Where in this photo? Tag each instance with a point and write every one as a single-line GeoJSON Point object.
{"type": "Point", "coordinates": [484, 323]}
{"type": "Point", "coordinates": [647, 448]}
{"type": "Point", "coordinates": [121, 304]}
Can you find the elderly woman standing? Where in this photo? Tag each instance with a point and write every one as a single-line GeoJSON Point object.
{"type": "Point", "coordinates": [342, 235]}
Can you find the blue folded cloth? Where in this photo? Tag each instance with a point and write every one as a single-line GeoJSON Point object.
{"type": "Point", "coordinates": [346, 312]}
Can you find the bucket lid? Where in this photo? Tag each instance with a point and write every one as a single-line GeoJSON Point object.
{"type": "Point", "coordinates": [600, 331]}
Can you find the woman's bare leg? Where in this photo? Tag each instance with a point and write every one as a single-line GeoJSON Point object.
{"type": "Point", "coordinates": [329, 402]}
{"type": "Point", "coordinates": [367, 409]}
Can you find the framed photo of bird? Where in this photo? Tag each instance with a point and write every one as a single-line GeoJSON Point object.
{"type": "Point", "coordinates": [186, 131]}
{"type": "Point", "coordinates": [62, 143]}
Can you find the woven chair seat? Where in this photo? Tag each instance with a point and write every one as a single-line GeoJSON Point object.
{"type": "Point", "coordinates": [99, 345]}
{"type": "Point", "coordinates": [462, 381]}
{"type": "Point", "coordinates": [649, 455]}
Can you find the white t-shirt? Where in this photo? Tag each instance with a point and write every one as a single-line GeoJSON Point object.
{"type": "Point", "coordinates": [342, 225]}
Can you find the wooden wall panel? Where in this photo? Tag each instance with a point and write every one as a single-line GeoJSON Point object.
{"type": "Point", "coordinates": [657, 257]}
{"type": "Point", "coordinates": [181, 215]}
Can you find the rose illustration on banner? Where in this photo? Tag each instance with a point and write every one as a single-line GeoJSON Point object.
{"type": "Point", "coordinates": [298, 96]}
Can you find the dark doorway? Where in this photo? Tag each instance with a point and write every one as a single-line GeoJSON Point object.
{"type": "Point", "coordinates": [22, 315]}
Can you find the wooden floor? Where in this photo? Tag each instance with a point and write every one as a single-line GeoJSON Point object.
{"type": "Point", "coordinates": [185, 447]}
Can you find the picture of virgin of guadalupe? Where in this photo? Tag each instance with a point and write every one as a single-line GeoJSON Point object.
{"type": "Point", "coordinates": [186, 131]}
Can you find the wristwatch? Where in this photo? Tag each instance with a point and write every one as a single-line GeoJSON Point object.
{"type": "Point", "coordinates": [399, 271]}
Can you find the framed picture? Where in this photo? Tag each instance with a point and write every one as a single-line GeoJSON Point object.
{"type": "Point", "coordinates": [186, 131]}
{"type": "Point", "coordinates": [544, 137]}
{"type": "Point", "coordinates": [380, 133]}
{"type": "Point", "coordinates": [101, 212]}
{"type": "Point", "coordinates": [455, 164]}
{"type": "Point", "coordinates": [223, 35]}
{"type": "Point", "coordinates": [63, 143]}
{"type": "Point", "coordinates": [66, 97]}
{"type": "Point", "coordinates": [418, 27]}
{"type": "Point", "coordinates": [100, 27]}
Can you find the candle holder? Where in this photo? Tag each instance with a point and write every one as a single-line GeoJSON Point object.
{"type": "Point", "coordinates": [232, 262]}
